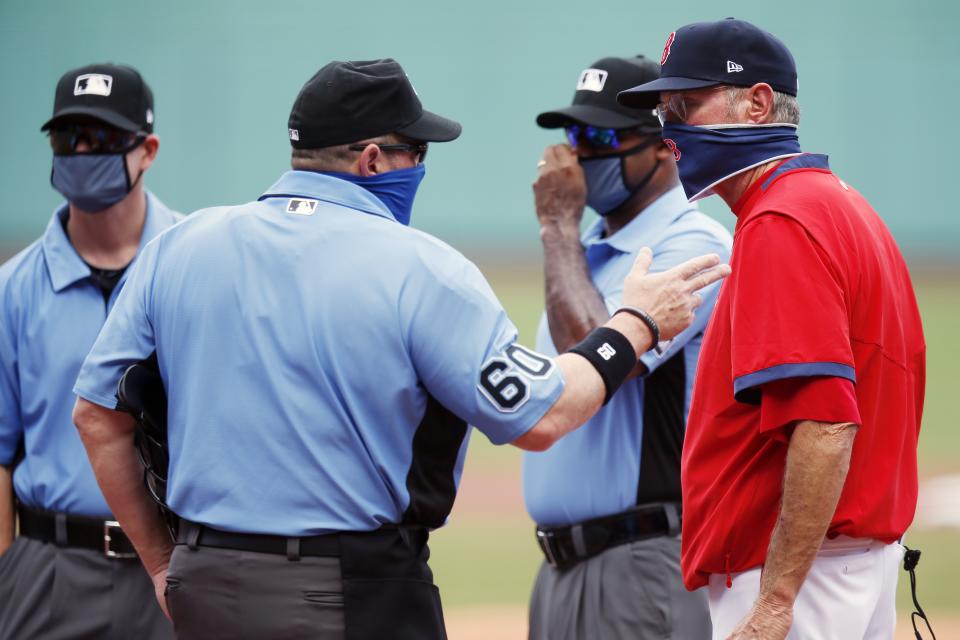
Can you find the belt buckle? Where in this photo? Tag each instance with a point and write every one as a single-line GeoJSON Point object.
{"type": "Point", "coordinates": [108, 526]}
{"type": "Point", "coordinates": [544, 538]}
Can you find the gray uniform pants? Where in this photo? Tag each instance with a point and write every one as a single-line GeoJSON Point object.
{"type": "Point", "coordinates": [223, 593]}
{"type": "Point", "coordinates": [633, 591]}
{"type": "Point", "coordinates": [49, 592]}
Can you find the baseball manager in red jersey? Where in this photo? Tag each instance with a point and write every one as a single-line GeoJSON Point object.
{"type": "Point", "coordinates": [799, 467]}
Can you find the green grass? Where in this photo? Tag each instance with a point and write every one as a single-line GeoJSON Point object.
{"type": "Point", "coordinates": [493, 559]}
{"type": "Point", "coordinates": [939, 300]}
{"type": "Point", "coordinates": [937, 572]}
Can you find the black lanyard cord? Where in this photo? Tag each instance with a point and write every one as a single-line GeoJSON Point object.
{"type": "Point", "coordinates": [910, 560]}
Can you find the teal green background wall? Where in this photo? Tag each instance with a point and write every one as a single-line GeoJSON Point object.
{"type": "Point", "coordinates": [878, 87]}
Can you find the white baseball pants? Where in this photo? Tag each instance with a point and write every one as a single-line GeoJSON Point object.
{"type": "Point", "coordinates": [849, 594]}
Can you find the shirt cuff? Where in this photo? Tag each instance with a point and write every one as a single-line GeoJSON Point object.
{"type": "Point", "coordinates": [96, 398]}
{"type": "Point", "coordinates": [822, 399]}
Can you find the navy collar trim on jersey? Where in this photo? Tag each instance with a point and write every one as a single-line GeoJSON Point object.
{"type": "Point", "coordinates": [803, 161]}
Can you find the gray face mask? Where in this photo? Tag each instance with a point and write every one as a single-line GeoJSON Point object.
{"type": "Point", "coordinates": [606, 185]}
{"type": "Point", "coordinates": [91, 182]}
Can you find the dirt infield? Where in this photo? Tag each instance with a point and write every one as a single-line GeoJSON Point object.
{"type": "Point", "coordinates": [510, 623]}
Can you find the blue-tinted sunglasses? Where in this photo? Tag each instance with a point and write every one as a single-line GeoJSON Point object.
{"type": "Point", "coordinates": [598, 137]}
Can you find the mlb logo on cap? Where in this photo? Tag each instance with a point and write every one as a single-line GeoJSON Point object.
{"type": "Point", "coordinates": [595, 100]}
{"type": "Point", "coordinates": [97, 84]}
{"type": "Point", "coordinates": [114, 94]}
{"type": "Point", "coordinates": [592, 80]}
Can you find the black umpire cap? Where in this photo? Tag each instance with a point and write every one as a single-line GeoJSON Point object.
{"type": "Point", "coordinates": [348, 101]}
{"type": "Point", "coordinates": [115, 94]}
{"type": "Point", "coordinates": [595, 100]}
{"type": "Point", "coordinates": [704, 54]}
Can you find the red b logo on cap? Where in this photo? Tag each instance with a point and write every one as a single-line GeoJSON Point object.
{"type": "Point", "coordinates": [673, 147]}
{"type": "Point", "coordinates": [666, 47]}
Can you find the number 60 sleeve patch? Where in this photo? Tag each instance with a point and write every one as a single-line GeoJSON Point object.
{"type": "Point", "coordinates": [505, 381]}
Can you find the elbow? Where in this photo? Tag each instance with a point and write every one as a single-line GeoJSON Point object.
{"type": "Point", "coordinates": [83, 415]}
{"type": "Point", "coordinates": [540, 438]}
{"type": "Point", "coordinates": [93, 422]}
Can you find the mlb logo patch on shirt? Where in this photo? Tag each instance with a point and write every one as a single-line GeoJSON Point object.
{"type": "Point", "coordinates": [93, 84]}
{"type": "Point", "coordinates": [301, 207]}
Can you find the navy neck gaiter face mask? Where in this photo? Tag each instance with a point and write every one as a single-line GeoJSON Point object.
{"type": "Point", "coordinates": [91, 182]}
{"type": "Point", "coordinates": [708, 155]}
{"type": "Point", "coordinates": [396, 189]}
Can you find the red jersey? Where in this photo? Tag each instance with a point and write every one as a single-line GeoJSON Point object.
{"type": "Point", "coordinates": [817, 321]}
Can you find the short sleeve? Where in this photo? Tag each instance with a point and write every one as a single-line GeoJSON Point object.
{"type": "Point", "coordinates": [465, 352]}
{"type": "Point", "coordinates": [788, 309]}
{"type": "Point", "coordinates": [11, 425]}
{"type": "Point", "coordinates": [821, 399]}
{"type": "Point", "coordinates": [126, 338]}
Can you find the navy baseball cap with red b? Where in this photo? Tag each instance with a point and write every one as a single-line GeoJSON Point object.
{"type": "Point", "coordinates": [704, 54]}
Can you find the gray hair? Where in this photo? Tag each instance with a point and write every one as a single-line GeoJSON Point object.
{"type": "Point", "coordinates": [785, 107]}
{"type": "Point", "coordinates": [337, 158]}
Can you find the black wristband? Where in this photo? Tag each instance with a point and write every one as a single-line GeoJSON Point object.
{"type": "Point", "coordinates": [647, 320]}
{"type": "Point", "coordinates": [611, 354]}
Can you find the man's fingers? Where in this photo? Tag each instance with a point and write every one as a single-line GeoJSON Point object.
{"type": "Point", "coordinates": [693, 266]}
{"type": "Point", "coordinates": [642, 264]}
{"type": "Point", "coordinates": [559, 156]}
{"type": "Point", "coordinates": [554, 154]}
{"type": "Point", "coordinates": [708, 277]}
{"type": "Point", "coordinates": [566, 153]}
{"type": "Point", "coordinates": [548, 162]}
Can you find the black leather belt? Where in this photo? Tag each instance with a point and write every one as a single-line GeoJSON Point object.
{"type": "Point", "coordinates": [563, 547]}
{"type": "Point", "coordinates": [197, 535]}
{"type": "Point", "coordinates": [65, 530]}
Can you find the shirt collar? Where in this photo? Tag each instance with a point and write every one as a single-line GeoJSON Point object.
{"type": "Point", "coordinates": [814, 161]}
{"type": "Point", "coordinates": [65, 264]}
{"type": "Point", "coordinates": [645, 226]}
{"type": "Point", "coordinates": [320, 186]}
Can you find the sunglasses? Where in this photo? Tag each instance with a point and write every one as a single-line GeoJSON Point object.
{"type": "Point", "coordinates": [419, 148]}
{"type": "Point", "coordinates": [65, 138]}
{"type": "Point", "coordinates": [675, 108]}
{"type": "Point", "coordinates": [596, 137]}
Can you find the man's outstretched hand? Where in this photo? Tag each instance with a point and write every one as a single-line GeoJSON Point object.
{"type": "Point", "coordinates": [670, 296]}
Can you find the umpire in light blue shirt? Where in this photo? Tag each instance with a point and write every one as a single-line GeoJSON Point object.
{"type": "Point", "coordinates": [321, 361]}
{"type": "Point", "coordinates": [610, 531]}
{"type": "Point", "coordinates": [72, 573]}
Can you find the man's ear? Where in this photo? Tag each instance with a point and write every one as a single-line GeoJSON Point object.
{"type": "Point", "coordinates": [663, 152]}
{"type": "Point", "coordinates": [760, 106]}
{"type": "Point", "coordinates": [370, 160]}
{"type": "Point", "coordinates": [150, 146]}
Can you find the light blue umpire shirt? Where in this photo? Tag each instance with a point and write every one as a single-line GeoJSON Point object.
{"type": "Point", "coordinates": [321, 362]}
{"type": "Point", "coordinates": [51, 312]}
{"type": "Point", "coordinates": [629, 452]}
